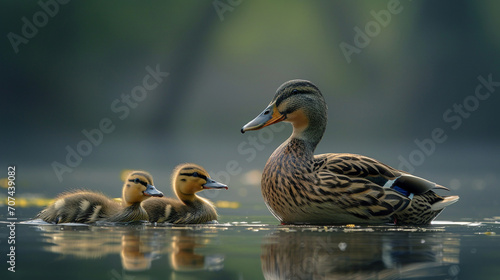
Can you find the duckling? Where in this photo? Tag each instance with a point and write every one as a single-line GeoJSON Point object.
{"type": "Point", "coordinates": [83, 206]}
{"type": "Point", "coordinates": [187, 180]}
{"type": "Point", "coordinates": [302, 188]}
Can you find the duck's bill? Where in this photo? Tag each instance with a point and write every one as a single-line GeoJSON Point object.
{"type": "Point", "coordinates": [211, 184]}
{"type": "Point", "coordinates": [269, 116]}
{"type": "Point", "coordinates": [152, 191]}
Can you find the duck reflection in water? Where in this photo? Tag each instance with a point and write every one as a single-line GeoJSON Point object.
{"type": "Point", "coordinates": [98, 242]}
{"type": "Point", "coordinates": [137, 246]}
{"type": "Point", "coordinates": [135, 254]}
{"type": "Point", "coordinates": [360, 255]}
{"type": "Point", "coordinates": [184, 258]}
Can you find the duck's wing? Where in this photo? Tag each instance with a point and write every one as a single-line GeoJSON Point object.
{"type": "Point", "coordinates": [358, 196]}
{"type": "Point", "coordinates": [357, 166]}
{"type": "Point", "coordinates": [131, 213]}
{"type": "Point", "coordinates": [166, 210]}
{"type": "Point", "coordinates": [365, 187]}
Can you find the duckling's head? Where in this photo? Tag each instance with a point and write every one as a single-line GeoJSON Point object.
{"type": "Point", "coordinates": [138, 187]}
{"type": "Point", "coordinates": [299, 102]}
{"type": "Point", "coordinates": [190, 178]}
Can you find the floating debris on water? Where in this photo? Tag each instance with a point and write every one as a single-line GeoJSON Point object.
{"type": "Point", "coordinates": [359, 230]}
{"type": "Point", "coordinates": [24, 202]}
{"type": "Point", "coordinates": [227, 204]}
{"type": "Point", "coordinates": [490, 233]}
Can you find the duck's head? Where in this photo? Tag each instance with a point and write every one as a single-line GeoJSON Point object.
{"type": "Point", "coordinates": [299, 102]}
{"type": "Point", "coordinates": [190, 178]}
{"type": "Point", "coordinates": [138, 187]}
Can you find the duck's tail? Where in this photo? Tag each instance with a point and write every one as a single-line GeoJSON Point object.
{"type": "Point", "coordinates": [447, 200]}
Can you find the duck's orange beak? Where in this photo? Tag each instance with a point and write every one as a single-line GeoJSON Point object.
{"type": "Point", "coordinates": [269, 116]}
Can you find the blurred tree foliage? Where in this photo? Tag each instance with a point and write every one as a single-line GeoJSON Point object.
{"type": "Point", "coordinates": [426, 59]}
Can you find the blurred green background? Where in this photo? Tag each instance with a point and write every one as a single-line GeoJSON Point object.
{"type": "Point", "coordinates": [225, 59]}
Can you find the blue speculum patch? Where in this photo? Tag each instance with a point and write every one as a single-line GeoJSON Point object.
{"type": "Point", "coordinates": [401, 190]}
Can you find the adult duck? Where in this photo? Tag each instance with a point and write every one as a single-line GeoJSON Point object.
{"type": "Point", "coordinates": [83, 206]}
{"type": "Point", "coordinates": [187, 180]}
{"type": "Point", "coordinates": [302, 188]}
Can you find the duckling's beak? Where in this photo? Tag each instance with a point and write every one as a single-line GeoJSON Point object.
{"type": "Point", "coordinates": [152, 191]}
{"type": "Point", "coordinates": [269, 116]}
{"type": "Point", "coordinates": [211, 184]}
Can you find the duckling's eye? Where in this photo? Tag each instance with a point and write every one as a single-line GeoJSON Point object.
{"type": "Point", "coordinates": [138, 181]}
{"type": "Point", "coordinates": [267, 112]}
{"type": "Point", "coordinates": [194, 174]}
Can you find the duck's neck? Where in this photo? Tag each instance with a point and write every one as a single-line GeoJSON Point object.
{"type": "Point", "coordinates": [199, 210]}
{"type": "Point", "coordinates": [131, 213]}
{"type": "Point", "coordinates": [309, 134]}
{"type": "Point", "coordinates": [126, 198]}
{"type": "Point", "coordinates": [188, 198]}
{"type": "Point", "coordinates": [125, 202]}
{"type": "Point", "coordinates": [293, 150]}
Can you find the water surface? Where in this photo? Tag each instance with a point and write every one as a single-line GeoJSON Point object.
{"type": "Point", "coordinates": [256, 248]}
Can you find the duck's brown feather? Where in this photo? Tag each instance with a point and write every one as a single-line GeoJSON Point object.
{"type": "Point", "coordinates": [337, 186]}
{"type": "Point", "coordinates": [170, 210]}
{"type": "Point", "coordinates": [131, 213]}
{"type": "Point", "coordinates": [79, 207]}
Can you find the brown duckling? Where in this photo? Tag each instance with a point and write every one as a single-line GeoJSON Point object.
{"type": "Point", "coordinates": [187, 180]}
{"type": "Point", "coordinates": [302, 188]}
{"type": "Point", "coordinates": [83, 206]}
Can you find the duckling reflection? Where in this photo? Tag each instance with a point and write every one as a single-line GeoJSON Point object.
{"type": "Point", "coordinates": [135, 254]}
{"type": "Point", "coordinates": [183, 256]}
{"type": "Point", "coordinates": [359, 255]}
{"type": "Point", "coordinates": [80, 241]}
{"type": "Point", "coordinates": [97, 242]}
{"type": "Point", "coordinates": [137, 246]}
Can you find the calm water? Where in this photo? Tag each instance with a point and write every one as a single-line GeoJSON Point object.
{"type": "Point", "coordinates": [256, 248]}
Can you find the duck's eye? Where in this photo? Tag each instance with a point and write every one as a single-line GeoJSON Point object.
{"type": "Point", "coordinates": [295, 91]}
{"type": "Point", "coordinates": [267, 112]}
{"type": "Point", "coordinates": [195, 174]}
{"type": "Point", "coordinates": [137, 180]}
